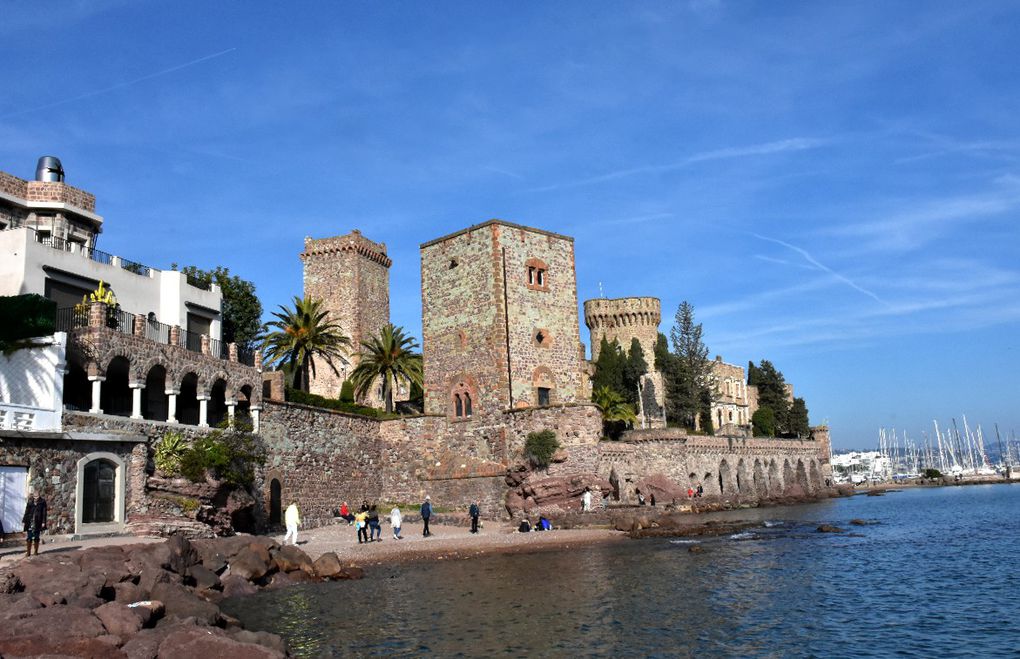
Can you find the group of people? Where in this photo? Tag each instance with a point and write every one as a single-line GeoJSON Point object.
{"type": "Point", "coordinates": [366, 520]}
{"type": "Point", "coordinates": [692, 492]}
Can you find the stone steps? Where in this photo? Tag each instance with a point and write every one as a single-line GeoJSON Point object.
{"type": "Point", "coordinates": [163, 526]}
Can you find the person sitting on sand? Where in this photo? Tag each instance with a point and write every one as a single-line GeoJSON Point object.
{"type": "Point", "coordinates": [525, 526]}
{"type": "Point", "coordinates": [690, 493]}
{"type": "Point", "coordinates": [345, 513]}
{"type": "Point", "coordinates": [361, 524]}
{"type": "Point", "coordinates": [395, 520]}
{"type": "Point", "coordinates": [543, 524]}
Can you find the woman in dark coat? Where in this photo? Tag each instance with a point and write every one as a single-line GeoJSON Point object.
{"type": "Point", "coordinates": [34, 521]}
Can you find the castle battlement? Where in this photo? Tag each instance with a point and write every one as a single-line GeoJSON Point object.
{"type": "Point", "coordinates": [351, 242]}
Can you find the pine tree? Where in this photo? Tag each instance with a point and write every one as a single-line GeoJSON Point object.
{"type": "Point", "coordinates": [687, 375]}
{"type": "Point", "coordinates": [633, 368]}
{"type": "Point", "coordinates": [609, 368]}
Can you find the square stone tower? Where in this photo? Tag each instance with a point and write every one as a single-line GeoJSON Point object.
{"type": "Point", "coordinates": [499, 321]}
{"type": "Point", "coordinates": [351, 273]}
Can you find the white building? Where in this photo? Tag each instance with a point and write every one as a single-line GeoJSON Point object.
{"type": "Point", "coordinates": [860, 466]}
{"type": "Point", "coordinates": [48, 236]}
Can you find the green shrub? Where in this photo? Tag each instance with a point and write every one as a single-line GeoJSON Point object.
{"type": "Point", "coordinates": [25, 317]}
{"type": "Point", "coordinates": [229, 453]}
{"type": "Point", "coordinates": [764, 422]}
{"type": "Point", "coordinates": [347, 392]}
{"type": "Point", "coordinates": [540, 447]}
{"type": "Point", "coordinates": [313, 400]}
{"type": "Point", "coordinates": [932, 473]}
{"type": "Point", "coordinates": [169, 451]}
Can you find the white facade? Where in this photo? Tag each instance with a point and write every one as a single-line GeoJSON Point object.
{"type": "Point", "coordinates": [32, 386]}
{"type": "Point", "coordinates": [26, 266]}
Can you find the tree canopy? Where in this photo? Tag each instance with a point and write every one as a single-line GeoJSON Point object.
{"type": "Point", "coordinates": [303, 335]}
{"type": "Point", "coordinates": [685, 371]}
{"type": "Point", "coordinates": [390, 357]}
{"type": "Point", "coordinates": [242, 310]}
{"type": "Point", "coordinates": [789, 418]}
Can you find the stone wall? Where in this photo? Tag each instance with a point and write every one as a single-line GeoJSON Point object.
{"type": "Point", "coordinates": [60, 192]}
{"type": "Point", "coordinates": [472, 316]}
{"type": "Point", "coordinates": [724, 466]}
{"type": "Point", "coordinates": [351, 274]}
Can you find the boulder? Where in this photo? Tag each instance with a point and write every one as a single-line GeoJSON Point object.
{"type": "Point", "coordinates": [665, 490]}
{"type": "Point", "coordinates": [149, 578]}
{"type": "Point", "coordinates": [127, 592]}
{"type": "Point", "coordinates": [829, 528]}
{"type": "Point", "coordinates": [182, 554]}
{"type": "Point", "coordinates": [265, 639]}
{"type": "Point", "coordinates": [181, 602]}
{"type": "Point", "coordinates": [54, 578]}
{"type": "Point", "coordinates": [202, 578]}
{"type": "Point", "coordinates": [327, 566]}
{"type": "Point", "coordinates": [10, 583]}
{"type": "Point", "coordinates": [237, 586]}
{"type": "Point", "coordinates": [101, 647]}
{"type": "Point", "coordinates": [54, 622]}
{"type": "Point", "coordinates": [19, 603]}
{"type": "Point", "coordinates": [695, 549]}
{"type": "Point", "coordinates": [281, 580]}
{"type": "Point", "coordinates": [111, 562]}
{"type": "Point", "coordinates": [250, 564]}
{"type": "Point", "coordinates": [351, 573]}
{"type": "Point", "coordinates": [201, 642]}
{"type": "Point", "coordinates": [290, 558]}
{"type": "Point", "coordinates": [118, 619]}
{"type": "Point", "coordinates": [148, 611]}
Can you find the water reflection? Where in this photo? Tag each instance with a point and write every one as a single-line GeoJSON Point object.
{"type": "Point", "coordinates": [936, 574]}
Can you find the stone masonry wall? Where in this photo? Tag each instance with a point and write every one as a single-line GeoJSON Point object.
{"type": "Point", "coordinates": [351, 274]}
{"type": "Point", "coordinates": [465, 303]}
{"type": "Point", "coordinates": [751, 467]}
{"type": "Point", "coordinates": [623, 320]}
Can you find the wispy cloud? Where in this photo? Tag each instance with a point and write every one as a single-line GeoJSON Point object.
{"type": "Point", "coordinates": [120, 85]}
{"type": "Point", "coordinates": [504, 172]}
{"type": "Point", "coordinates": [920, 222]}
{"type": "Point", "coordinates": [822, 267]}
{"type": "Point", "coordinates": [635, 219]}
{"type": "Point", "coordinates": [752, 150]}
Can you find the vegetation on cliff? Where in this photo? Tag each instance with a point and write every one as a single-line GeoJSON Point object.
{"type": "Point", "coordinates": [788, 418]}
{"type": "Point", "coordinates": [540, 447]}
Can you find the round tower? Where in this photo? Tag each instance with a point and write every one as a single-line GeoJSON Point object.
{"type": "Point", "coordinates": [624, 319]}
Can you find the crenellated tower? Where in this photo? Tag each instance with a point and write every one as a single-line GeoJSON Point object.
{"type": "Point", "coordinates": [622, 320]}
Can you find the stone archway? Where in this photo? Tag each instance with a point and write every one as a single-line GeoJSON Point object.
{"type": "Point", "coordinates": [802, 478]}
{"type": "Point", "coordinates": [187, 400]}
{"type": "Point", "coordinates": [115, 397]}
{"type": "Point", "coordinates": [217, 405]}
{"type": "Point", "coordinates": [744, 485]}
{"type": "Point", "coordinates": [77, 389]}
{"type": "Point", "coordinates": [725, 478]}
{"type": "Point", "coordinates": [816, 476]}
{"type": "Point", "coordinates": [100, 493]}
{"type": "Point", "coordinates": [155, 405]}
{"type": "Point", "coordinates": [775, 482]}
{"type": "Point", "coordinates": [788, 476]}
{"type": "Point", "coordinates": [275, 502]}
{"type": "Point", "coordinates": [761, 486]}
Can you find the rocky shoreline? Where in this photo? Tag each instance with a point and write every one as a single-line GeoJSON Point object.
{"type": "Point", "coordinates": [150, 600]}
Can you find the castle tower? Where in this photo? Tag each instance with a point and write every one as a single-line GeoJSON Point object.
{"type": "Point", "coordinates": [623, 320]}
{"type": "Point", "coordinates": [351, 274]}
{"type": "Point", "coordinates": [499, 321]}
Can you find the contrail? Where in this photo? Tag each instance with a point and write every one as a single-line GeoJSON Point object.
{"type": "Point", "coordinates": [119, 85]}
{"type": "Point", "coordinates": [824, 268]}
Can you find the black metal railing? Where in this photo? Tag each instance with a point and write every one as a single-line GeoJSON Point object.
{"type": "Point", "coordinates": [191, 341]}
{"type": "Point", "coordinates": [71, 318]}
{"type": "Point", "coordinates": [157, 331]}
{"type": "Point", "coordinates": [245, 356]}
{"type": "Point", "coordinates": [120, 320]}
{"type": "Point", "coordinates": [91, 253]}
{"type": "Point", "coordinates": [218, 349]}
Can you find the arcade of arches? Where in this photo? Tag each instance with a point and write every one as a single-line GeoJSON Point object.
{"type": "Point", "coordinates": [157, 391]}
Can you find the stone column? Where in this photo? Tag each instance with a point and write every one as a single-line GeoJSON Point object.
{"type": "Point", "coordinates": [97, 314]}
{"type": "Point", "coordinates": [206, 348]}
{"type": "Point", "coordinates": [139, 327]}
{"type": "Point", "coordinates": [258, 360]}
{"type": "Point", "coordinates": [232, 352]}
{"type": "Point", "coordinates": [175, 335]}
{"type": "Point", "coordinates": [231, 406]}
{"type": "Point", "coordinates": [255, 409]}
{"type": "Point", "coordinates": [171, 405]}
{"type": "Point", "coordinates": [97, 391]}
{"type": "Point", "coordinates": [136, 399]}
{"type": "Point", "coordinates": [203, 411]}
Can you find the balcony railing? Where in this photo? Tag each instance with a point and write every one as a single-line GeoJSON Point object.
{"type": "Point", "coordinates": [90, 253]}
{"type": "Point", "coordinates": [79, 316]}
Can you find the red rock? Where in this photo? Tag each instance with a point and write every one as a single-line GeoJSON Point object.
{"type": "Point", "coordinates": [237, 586]}
{"type": "Point", "coordinates": [265, 639]}
{"type": "Point", "coordinates": [182, 603]}
{"type": "Point", "coordinates": [127, 592]}
{"type": "Point", "coordinates": [248, 564]}
{"type": "Point", "coordinates": [118, 619]}
{"type": "Point", "coordinates": [327, 566]}
{"type": "Point", "coordinates": [60, 621]}
{"type": "Point", "coordinates": [665, 490]}
{"type": "Point", "coordinates": [290, 558]}
{"type": "Point", "coordinates": [202, 578]}
{"type": "Point", "coordinates": [200, 642]}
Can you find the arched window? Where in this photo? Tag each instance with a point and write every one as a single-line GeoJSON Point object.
{"type": "Point", "coordinates": [467, 404]}
{"type": "Point", "coordinates": [458, 406]}
{"type": "Point", "coordinates": [462, 397]}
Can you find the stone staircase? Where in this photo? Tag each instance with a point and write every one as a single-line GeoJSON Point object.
{"type": "Point", "coordinates": [163, 526]}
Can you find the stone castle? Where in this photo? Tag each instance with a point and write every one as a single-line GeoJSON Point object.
{"type": "Point", "coordinates": [503, 358]}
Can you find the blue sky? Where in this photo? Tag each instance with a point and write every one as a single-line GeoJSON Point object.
{"type": "Point", "coordinates": [834, 186]}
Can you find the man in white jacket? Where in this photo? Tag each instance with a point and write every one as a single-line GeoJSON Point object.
{"type": "Point", "coordinates": [395, 520]}
{"type": "Point", "coordinates": [293, 520]}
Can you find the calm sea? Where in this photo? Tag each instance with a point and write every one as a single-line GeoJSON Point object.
{"type": "Point", "coordinates": [937, 574]}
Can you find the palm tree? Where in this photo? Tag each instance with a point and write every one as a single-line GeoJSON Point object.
{"type": "Point", "coordinates": [302, 336]}
{"type": "Point", "coordinates": [616, 411]}
{"type": "Point", "coordinates": [389, 356]}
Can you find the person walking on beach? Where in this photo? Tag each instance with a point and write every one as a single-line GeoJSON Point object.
{"type": "Point", "coordinates": [293, 520]}
{"type": "Point", "coordinates": [586, 501]}
{"type": "Point", "coordinates": [474, 512]}
{"type": "Point", "coordinates": [374, 530]}
{"type": "Point", "coordinates": [361, 524]}
{"type": "Point", "coordinates": [395, 520]}
{"type": "Point", "coordinates": [34, 521]}
{"type": "Point", "coordinates": [426, 513]}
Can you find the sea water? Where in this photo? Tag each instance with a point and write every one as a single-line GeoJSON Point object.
{"type": "Point", "coordinates": [934, 572]}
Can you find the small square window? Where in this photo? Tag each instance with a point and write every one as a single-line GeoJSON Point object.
{"type": "Point", "coordinates": [543, 396]}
